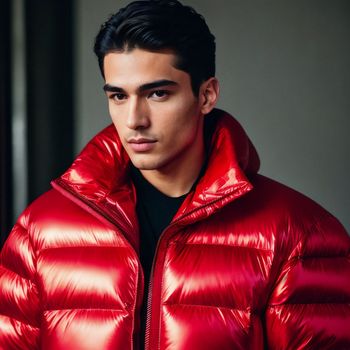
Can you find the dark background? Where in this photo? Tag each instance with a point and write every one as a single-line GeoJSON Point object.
{"type": "Point", "coordinates": [48, 85]}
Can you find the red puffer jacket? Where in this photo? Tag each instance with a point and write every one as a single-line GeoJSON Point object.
{"type": "Point", "coordinates": [246, 263]}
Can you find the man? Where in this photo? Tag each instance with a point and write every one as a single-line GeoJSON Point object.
{"type": "Point", "coordinates": [162, 229]}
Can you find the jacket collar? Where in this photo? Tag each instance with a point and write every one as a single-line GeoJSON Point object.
{"type": "Point", "coordinates": [231, 159]}
{"type": "Point", "coordinates": [99, 176]}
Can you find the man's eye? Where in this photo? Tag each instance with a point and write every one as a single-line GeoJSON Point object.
{"type": "Point", "coordinates": [159, 94]}
{"type": "Point", "coordinates": [118, 97]}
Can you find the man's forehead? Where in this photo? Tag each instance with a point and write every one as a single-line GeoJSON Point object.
{"type": "Point", "coordinates": [139, 67]}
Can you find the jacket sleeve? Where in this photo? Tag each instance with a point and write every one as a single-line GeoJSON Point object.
{"type": "Point", "coordinates": [309, 307]}
{"type": "Point", "coordinates": [19, 302]}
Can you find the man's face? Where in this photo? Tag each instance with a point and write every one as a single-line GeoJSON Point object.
{"type": "Point", "coordinates": [153, 108]}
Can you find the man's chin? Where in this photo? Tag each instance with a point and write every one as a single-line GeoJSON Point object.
{"type": "Point", "coordinates": [144, 165]}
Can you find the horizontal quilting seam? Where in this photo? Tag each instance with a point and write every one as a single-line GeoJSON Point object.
{"type": "Point", "coordinates": [320, 303]}
{"type": "Point", "coordinates": [309, 257]}
{"type": "Point", "coordinates": [208, 306]}
{"type": "Point", "coordinates": [17, 274]}
{"type": "Point", "coordinates": [23, 320]}
{"type": "Point", "coordinates": [83, 247]}
{"type": "Point", "coordinates": [224, 245]}
{"type": "Point", "coordinates": [86, 309]}
{"type": "Point", "coordinates": [20, 321]}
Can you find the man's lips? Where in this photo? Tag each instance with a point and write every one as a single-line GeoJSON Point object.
{"type": "Point", "coordinates": [141, 144]}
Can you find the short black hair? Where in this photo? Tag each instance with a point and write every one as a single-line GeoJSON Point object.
{"type": "Point", "coordinates": [155, 25]}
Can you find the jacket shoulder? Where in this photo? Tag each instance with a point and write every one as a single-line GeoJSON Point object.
{"type": "Point", "coordinates": [53, 220]}
{"type": "Point", "coordinates": [284, 196]}
{"type": "Point", "coordinates": [289, 220]}
{"type": "Point", "coordinates": [50, 206]}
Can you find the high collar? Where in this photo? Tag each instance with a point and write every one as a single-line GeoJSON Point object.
{"type": "Point", "coordinates": [100, 178]}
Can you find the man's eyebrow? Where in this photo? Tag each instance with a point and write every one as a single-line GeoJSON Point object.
{"type": "Point", "coordinates": [111, 88]}
{"type": "Point", "coordinates": [142, 88]}
{"type": "Point", "coordinates": [156, 84]}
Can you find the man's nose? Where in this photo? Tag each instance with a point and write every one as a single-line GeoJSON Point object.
{"type": "Point", "coordinates": [137, 114]}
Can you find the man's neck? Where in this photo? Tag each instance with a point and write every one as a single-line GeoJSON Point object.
{"type": "Point", "coordinates": [175, 180]}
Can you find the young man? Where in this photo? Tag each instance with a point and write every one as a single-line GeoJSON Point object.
{"type": "Point", "coordinates": [162, 229]}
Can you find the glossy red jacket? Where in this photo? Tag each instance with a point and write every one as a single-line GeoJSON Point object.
{"type": "Point", "coordinates": [246, 263]}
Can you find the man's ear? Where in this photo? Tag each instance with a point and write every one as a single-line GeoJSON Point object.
{"type": "Point", "coordinates": [209, 94]}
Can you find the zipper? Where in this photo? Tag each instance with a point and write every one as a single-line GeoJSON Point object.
{"type": "Point", "coordinates": [150, 288]}
{"type": "Point", "coordinates": [93, 209]}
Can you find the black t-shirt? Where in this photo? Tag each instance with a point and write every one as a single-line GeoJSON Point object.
{"type": "Point", "coordinates": [155, 211]}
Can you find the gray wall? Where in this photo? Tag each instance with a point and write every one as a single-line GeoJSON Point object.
{"type": "Point", "coordinates": [284, 73]}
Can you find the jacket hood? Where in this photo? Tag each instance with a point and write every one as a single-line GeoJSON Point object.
{"type": "Point", "coordinates": [99, 176]}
